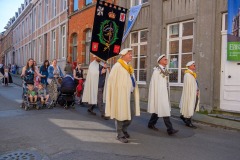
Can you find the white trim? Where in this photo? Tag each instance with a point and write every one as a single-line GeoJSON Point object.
{"type": "Point", "coordinates": [139, 2]}
{"type": "Point", "coordinates": [180, 39]}
{"type": "Point", "coordinates": [138, 57]}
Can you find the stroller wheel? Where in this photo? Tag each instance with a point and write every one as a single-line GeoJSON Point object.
{"type": "Point", "coordinates": [22, 105]}
{"type": "Point", "coordinates": [50, 107]}
{"type": "Point", "coordinates": [26, 108]}
{"type": "Point", "coordinates": [73, 107]}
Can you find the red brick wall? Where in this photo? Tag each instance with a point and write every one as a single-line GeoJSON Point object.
{"type": "Point", "coordinates": [79, 23]}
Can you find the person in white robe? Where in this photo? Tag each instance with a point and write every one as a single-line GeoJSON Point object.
{"type": "Point", "coordinates": [94, 92]}
{"type": "Point", "coordinates": [158, 97]}
{"type": "Point", "coordinates": [190, 95]}
{"type": "Point", "coordinates": [120, 88]}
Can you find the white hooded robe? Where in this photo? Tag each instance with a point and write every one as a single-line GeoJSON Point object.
{"type": "Point", "coordinates": [158, 98]}
{"type": "Point", "coordinates": [90, 91]}
{"type": "Point", "coordinates": [188, 99]}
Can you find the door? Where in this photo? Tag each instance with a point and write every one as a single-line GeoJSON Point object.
{"type": "Point", "coordinates": [230, 77]}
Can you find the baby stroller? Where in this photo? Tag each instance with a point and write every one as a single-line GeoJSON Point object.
{"type": "Point", "coordinates": [26, 104]}
{"type": "Point", "coordinates": [66, 97]}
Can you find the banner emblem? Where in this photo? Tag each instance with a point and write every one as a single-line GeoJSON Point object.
{"type": "Point", "coordinates": [107, 30]}
{"type": "Point", "coordinates": [100, 11]}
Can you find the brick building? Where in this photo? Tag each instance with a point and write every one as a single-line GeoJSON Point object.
{"type": "Point", "coordinates": [6, 49]}
{"type": "Point", "coordinates": [81, 17]}
{"type": "Point", "coordinates": [40, 32]}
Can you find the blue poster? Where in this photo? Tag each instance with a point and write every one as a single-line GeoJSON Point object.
{"type": "Point", "coordinates": [233, 44]}
{"type": "Point", "coordinates": [132, 18]}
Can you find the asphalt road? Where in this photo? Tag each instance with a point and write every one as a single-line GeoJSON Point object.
{"type": "Point", "coordinates": [59, 134]}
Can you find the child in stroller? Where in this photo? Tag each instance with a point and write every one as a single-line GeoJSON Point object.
{"type": "Point", "coordinates": [32, 94]}
{"type": "Point", "coordinates": [42, 95]}
{"type": "Point", "coordinates": [67, 90]}
{"type": "Point", "coordinates": [29, 96]}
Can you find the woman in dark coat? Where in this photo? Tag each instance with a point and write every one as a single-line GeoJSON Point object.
{"type": "Point", "coordinates": [44, 71]}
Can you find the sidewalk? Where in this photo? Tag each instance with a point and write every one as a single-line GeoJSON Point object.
{"type": "Point", "coordinates": [211, 119]}
{"type": "Point", "coordinates": [202, 118]}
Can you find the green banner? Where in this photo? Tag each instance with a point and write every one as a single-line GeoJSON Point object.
{"type": "Point", "coordinates": [233, 50]}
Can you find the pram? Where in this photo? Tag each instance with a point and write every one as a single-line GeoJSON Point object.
{"type": "Point", "coordinates": [66, 97]}
{"type": "Point", "coordinates": [26, 104]}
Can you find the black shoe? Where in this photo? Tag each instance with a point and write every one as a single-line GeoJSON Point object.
{"type": "Point", "coordinates": [122, 139]}
{"type": "Point", "coordinates": [184, 120]}
{"type": "Point", "coordinates": [191, 126]}
{"type": "Point", "coordinates": [104, 117]}
{"type": "Point", "coordinates": [126, 134]}
{"type": "Point", "coordinates": [91, 112]}
{"type": "Point", "coordinates": [173, 131]}
{"type": "Point", "coordinates": [152, 127]}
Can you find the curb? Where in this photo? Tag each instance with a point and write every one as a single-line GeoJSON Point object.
{"type": "Point", "coordinates": [203, 122]}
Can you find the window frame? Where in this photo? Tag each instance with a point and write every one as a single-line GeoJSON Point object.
{"type": "Point", "coordinates": [54, 44]}
{"type": "Point", "coordinates": [87, 45]}
{"type": "Point", "coordinates": [75, 5]}
{"type": "Point", "coordinates": [139, 2]}
{"type": "Point", "coordinates": [88, 3]}
{"type": "Point", "coordinates": [74, 46]}
{"type": "Point", "coordinates": [139, 44]}
{"type": "Point", "coordinates": [39, 50]}
{"type": "Point", "coordinates": [180, 39]}
{"type": "Point", "coordinates": [63, 5]}
{"type": "Point", "coordinates": [39, 15]}
{"type": "Point", "coordinates": [63, 41]}
{"type": "Point", "coordinates": [46, 11]}
{"type": "Point", "coordinates": [54, 8]}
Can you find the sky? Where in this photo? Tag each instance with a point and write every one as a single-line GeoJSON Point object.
{"type": "Point", "coordinates": [7, 11]}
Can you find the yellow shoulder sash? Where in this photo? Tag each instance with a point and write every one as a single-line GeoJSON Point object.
{"type": "Point", "coordinates": [129, 68]}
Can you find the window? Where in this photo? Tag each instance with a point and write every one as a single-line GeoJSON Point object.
{"type": "Point", "coordinates": [23, 31]}
{"type": "Point", "coordinates": [23, 60]}
{"type": "Point", "coordinates": [19, 34]}
{"type": "Point", "coordinates": [137, 2]}
{"type": "Point", "coordinates": [46, 11]}
{"type": "Point", "coordinates": [30, 23]}
{"type": "Point", "coordinates": [29, 51]}
{"type": "Point", "coordinates": [54, 8]}
{"type": "Point", "coordinates": [26, 53]}
{"type": "Point", "coordinates": [34, 20]}
{"type": "Point", "coordinates": [179, 49]}
{"type": "Point", "coordinates": [40, 15]}
{"type": "Point", "coordinates": [74, 49]}
{"type": "Point", "coordinates": [34, 50]}
{"type": "Point", "coordinates": [26, 26]}
{"type": "Point", "coordinates": [63, 40]}
{"type": "Point", "coordinates": [39, 50]}
{"type": "Point", "coordinates": [75, 5]}
{"type": "Point", "coordinates": [87, 46]}
{"type": "Point", "coordinates": [53, 44]}
{"type": "Point", "coordinates": [138, 42]}
{"type": "Point", "coordinates": [63, 5]}
{"type": "Point", "coordinates": [88, 2]}
{"type": "Point", "coordinates": [224, 22]}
